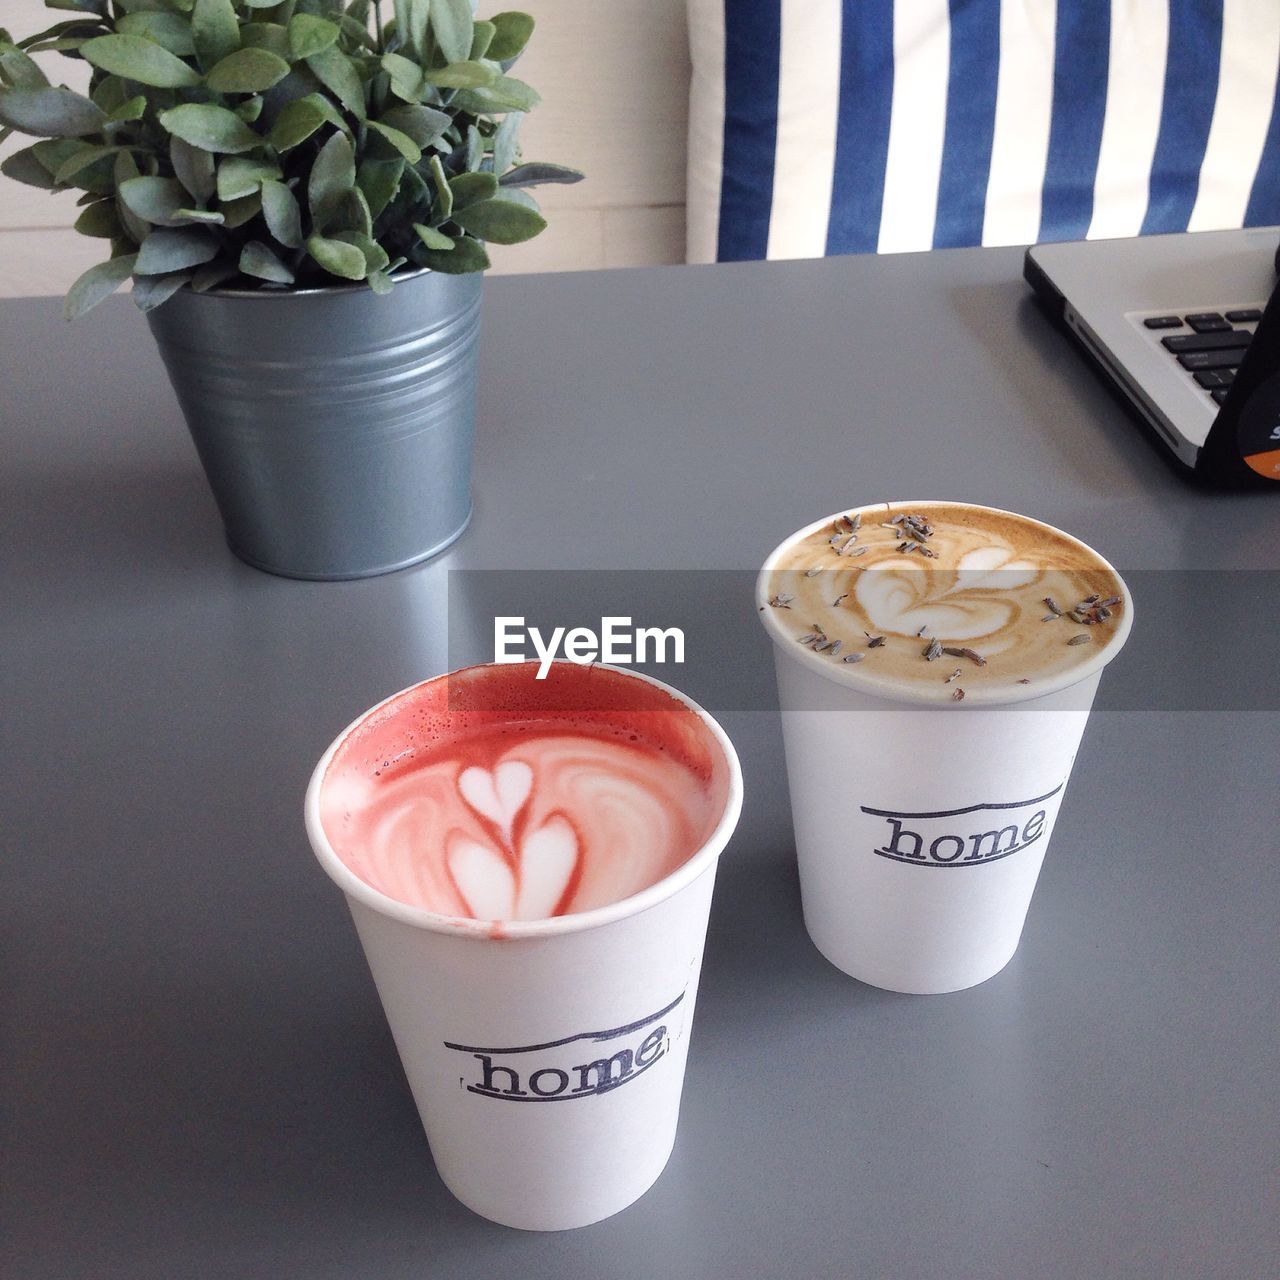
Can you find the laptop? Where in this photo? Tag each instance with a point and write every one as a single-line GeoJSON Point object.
{"type": "Point", "coordinates": [1187, 327]}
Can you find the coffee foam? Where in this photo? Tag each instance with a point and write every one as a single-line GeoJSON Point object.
{"type": "Point", "coordinates": [977, 581]}
{"type": "Point", "coordinates": [491, 795]}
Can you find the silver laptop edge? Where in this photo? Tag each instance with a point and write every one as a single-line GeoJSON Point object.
{"type": "Point", "coordinates": [1108, 287]}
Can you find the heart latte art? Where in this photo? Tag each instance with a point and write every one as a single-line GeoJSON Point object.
{"type": "Point", "coordinates": [498, 798]}
{"type": "Point", "coordinates": [941, 596]}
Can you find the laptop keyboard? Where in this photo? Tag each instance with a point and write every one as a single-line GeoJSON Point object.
{"type": "Point", "coordinates": [1209, 345]}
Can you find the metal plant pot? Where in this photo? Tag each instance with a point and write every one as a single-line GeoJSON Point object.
{"type": "Point", "coordinates": [335, 425]}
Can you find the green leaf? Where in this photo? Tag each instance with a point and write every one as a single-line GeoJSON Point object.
{"type": "Point", "coordinates": [505, 94]}
{"type": "Point", "coordinates": [110, 92]}
{"type": "Point", "coordinates": [174, 248]}
{"type": "Point", "coordinates": [518, 195]}
{"type": "Point", "coordinates": [462, 75]}
{"type": "Point", "coordinates": [126, 112]}
{"type": "Point", "coordinates": [210, 128]}
{"type": "Point", "coordinates": [212, 274]}
{"type": "Point", "coordinates": [194, 168]}
{"type": "Point", "coordinates": [169, 30]}
{"type": "Point", "coordinates": [379, 180]}
{"type": "Point", "coordinates": [24, 166]}
{"type": "Point", "coordinates": [21, 71]}
{"type": "Point", "coordinates": [354, 213]}
{"type": "Point", "coordinates": [239, 176]}
{"type": "Point", "coordinates": [258, 260]}
{"type": "Point", "coordinates": [332, 175]}
{"type": "Point", "coordinates": [185, 217]}
{"type": "Point", "coordinates": [466, 255]}
{"type": "Point", "coordinates": [153, 291]}
{"type": "Point", "coordinates": [422, 124]}
{"type": "Point", "coordinates": [402, 21]}
{"type": "Point", "coordinates": [309, 35]}
{"type": "Point", "coordinates": [78, 160]}
{"type": "Point", "coordinates": [249, 109]}
{"type": "Point", "coordinates": [338, 258]}
{"type": "Point", "coordinates": [247, 71]}
{"type": "Point", "coordinates": [444, 193]}
{"type": "Point", "coordinates": [100, 220]}
{"type": "Point", "coordinates": [235, 213]}
{"type": "Point", "coordinates": [501, 221]}
{"type": "Point", "coordinates": [155, 200]}
{"type": "Point", "coordinates": [137, 58]}
{"type": "Point", "coordinates": [406, 76]}
{"type": "Point", "coordinates": [97, 284]}
{"type": "Point", "coordinates": [96, 178]}
{"type": "Point", "coordinates": [283, 217]}
{"type": "Point", "coordinates": [375, 256]}
{"type": "Point", "coordinates": [123, 168]}
{"type": "Point", "coordinates": [432, 238]}
{"type": "Point", "coordinates": [506, 145]}
{"type": "Point", "coordinates": [380, 282]}
{"type": "Point", "coordinates": [50, 112]}
{"type": "Point", "coordinates": [297, 121]}
{"type": "Point", "coordinates": [78, 6]}
{"type": "Point", "coordinates": [471, 188]}
{"type": "Point", "coordinates": [266, 35]}
{"type": "Point", "coordinates": [482, 34]}
{"type": "Point", "coordinates": [57, 46]}
{"type": "Point", "coordinates": [338, 74]}
{"type": "Point", "coordinates": [358, 31]}
{"type": "Point", "coordinates": [533, 175]}
{"type": "Point", "coordinates": [475, 148]}
{"type": "Point", "coordinates": [451, 24]}
{"type": "Point", "coordinates": [418, 40]}
{"type": "Point", "coordinates": [404, 144]}
{"type": "Point", "coordinates": [54, 152]}
{"type": "Point", "coordinates": [215, 29]}
{"type": "Point", "coordinates": [513, 32]}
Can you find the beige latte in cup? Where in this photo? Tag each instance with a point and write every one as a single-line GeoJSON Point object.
{"type": "Point", "coordinates": [936, 664]}
{"type": "Point", "coordinates": [946, 601]}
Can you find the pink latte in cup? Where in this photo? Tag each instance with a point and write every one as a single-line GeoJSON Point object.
{"type": "Point", "coordinates": [491, 795]}
{"type": "Point", "coordinates": [529, 865]}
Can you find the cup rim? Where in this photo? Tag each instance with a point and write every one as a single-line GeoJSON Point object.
{"type": "Point", "coordinates": [702, 859]}
{"type": "Point", "coordinates": [853, 676]}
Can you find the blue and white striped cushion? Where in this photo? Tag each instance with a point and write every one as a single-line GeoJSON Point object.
{"type": "Point", "coordinates": [850, 126]}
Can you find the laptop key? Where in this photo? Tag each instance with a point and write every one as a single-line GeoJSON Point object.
{"type": "Point", "coordinates": [1208, 322]}
{"type": "Point", "coordinates": [1219, 396]}
{"type": "Point", "coordinates": [1196, 360]}
{"type": "Point", "coordinates": [1211, 379]}
{"type": "Point", "coordinates": [1244, 315]}
{"type": "Point", "coordinates": [1208, 341]}
{"type": "Point", "coordinates": [1163, 322]}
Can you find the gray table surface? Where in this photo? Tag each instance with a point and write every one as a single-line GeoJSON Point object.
{"type": "Point", "coordinates": [196, 1074]}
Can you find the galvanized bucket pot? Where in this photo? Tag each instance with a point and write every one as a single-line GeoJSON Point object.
{"type": "Point", "coordinates": [335, 425]}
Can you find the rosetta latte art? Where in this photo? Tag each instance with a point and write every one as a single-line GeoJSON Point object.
{"type": "Point", "coordinates": [974, 602]}
{"type": "Point", "coordinates": [521, 819]}
{"type": "Point", "coordinates": [945, 597]}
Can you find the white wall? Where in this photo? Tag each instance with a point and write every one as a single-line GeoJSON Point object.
{"type": "Point", "coordinates": [614, 77]}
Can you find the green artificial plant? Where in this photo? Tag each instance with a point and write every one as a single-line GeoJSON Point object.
{"type": "Point", "coordinates": [278, 143]}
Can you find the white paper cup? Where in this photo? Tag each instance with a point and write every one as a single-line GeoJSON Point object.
{"type": "Point", "coordinates": [546, 1057]}
{"type": "Point", "coordinates": [921, 828]}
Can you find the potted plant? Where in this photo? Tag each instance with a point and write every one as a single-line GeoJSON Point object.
{"type": "Point", "coordinates": [301, 192]}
